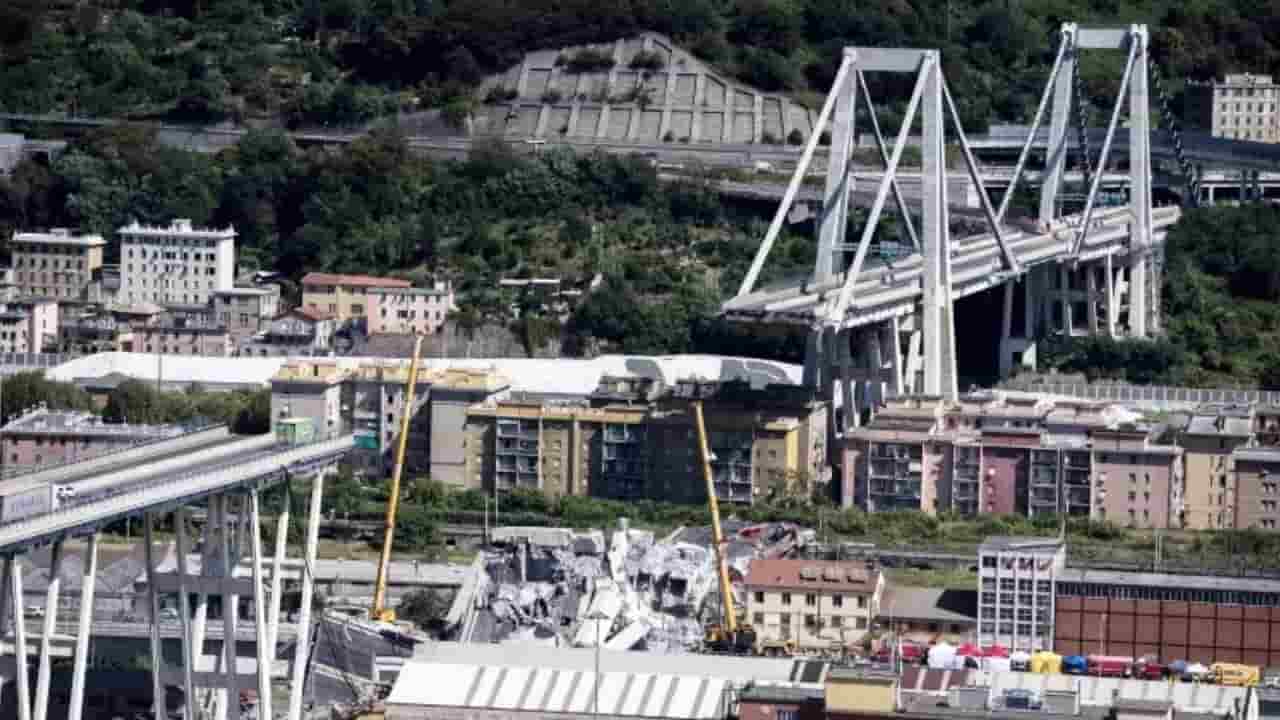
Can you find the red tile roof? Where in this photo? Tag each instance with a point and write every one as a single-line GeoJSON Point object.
{"type": "Point", "coordinates": [316, 278]}
{"type": "Point", "coordinates": [806, 575]}
{"type": "Point", "coordinates": [311, 314]}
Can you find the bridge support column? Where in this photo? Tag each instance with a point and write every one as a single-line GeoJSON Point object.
{"type": "Point", "coordinates": [21, 666]}
{"type": "Point", "coordinates": [88, 580]}
{"type": "Point", "coordinates": [153, 606]}
{"type": "Point", "coordinates": [189, 652]}
{"type": "Point", "coordinates": [1111, 304]}
{"type": "Point", "coordinates": [261, 612]}
{"type": "Point", "coordinates": [1059, 121]}
{"type": "Point", "coordinates": [230, 549]}
{"type": "Point", "coordinates": [46, 634]}
{"type": "Point", "coordinates": [938, 314]}
{"type": "Point", "coordinates": [1091, 290]}
{"type": "Point", "coordinates": [302, 652]}
{"type": "Point", "coordinates": [277, 577]}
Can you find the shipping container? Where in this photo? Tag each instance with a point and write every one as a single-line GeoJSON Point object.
{"type": "Point", "coordinates": [295, 431]}
{"type": "Point", "coordinates": [24, 499]}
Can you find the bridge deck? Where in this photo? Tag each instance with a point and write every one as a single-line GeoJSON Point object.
{"type": "Point", "coordinates": [888, 289]}
{"type": "Point", "coordinates": [176, 486]}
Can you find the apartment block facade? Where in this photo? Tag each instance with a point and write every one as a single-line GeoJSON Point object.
{"type": "Point", "coordinates": [1212, 435]}
{"type": "Point", "coordinates": [818, 605]}
{"type": "Point", "coordinates": [1241, 106]}
{"type": "Point", "coordinates": [763, 441]}
{"type": "Point", "coordinates": [989, 453]}
{"type": "Point", "coordinates": [178, 264]}
{"type": "Point", "coordinates": [245, 311]}
{"type": "Point", "coordinates": [345, 297]}
{"type": "Point", "coordinates": [28, 325]}
{"type": "Point", "coordinates": [57, 264]}
{"type": "Point", "coordinates": [406, 310]}
{"type": "Point", "coordinates": [1016, 591]}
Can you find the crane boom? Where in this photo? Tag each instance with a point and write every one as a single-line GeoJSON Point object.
{"type": "Point", "coordinates": [379, 611]}
{"type": "Point", "coordinates": [717, 536]}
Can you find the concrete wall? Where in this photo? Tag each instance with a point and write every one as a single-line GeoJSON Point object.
{"type": "Point", "coordinates": [686, 101]}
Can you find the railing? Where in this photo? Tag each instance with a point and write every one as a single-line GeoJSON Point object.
{"type": "Point", "coordinates": [34, 361]}
{"type": "Point", "coordinates": [1160, 394]}
{"type": "Point", "coordinates": [113, 492]}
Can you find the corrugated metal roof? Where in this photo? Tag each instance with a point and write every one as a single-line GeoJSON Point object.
{"type": "Point", "coordinates": [1101, 691]}
{"type": "Point", "coordinates": [553, 690]}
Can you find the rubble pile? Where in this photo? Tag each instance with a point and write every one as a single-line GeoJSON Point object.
{"type": "Point", "coordinates": [554, 586]}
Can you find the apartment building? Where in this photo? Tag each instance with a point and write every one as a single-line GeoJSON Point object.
{"type": "Point", "coordinates": [1256, 480]}
{"type": "Point", "coordinates": [1240, 107]}
{"type": "Point", "coordinates": [899, 460]}
{"type": "Point", "coordinates": [245, 311]}
{"type": "Point", "coordinates": [408, 310]}
{"type": "Point", "coordinates": [1209, 441]}
{"type": "Point", "coordinates": [41, 437]}
{"type": "Point", "coordinates": [300, 331]}
{"type": "Point", "coordinates": [641, 442]}
{"type": "Point", "coordinates": [177, 264]}
{"type": "Point", "coordinates": [345, 297]}
{"type": "Point", "coordinates": [28, 326]}
{"type": "Point", "coordinates": [1138, 482]}
{"type": "Point", "coordinates": [311, 389]}
{"type": "Point", "coordinates": [57, 264]}
{"type": "Point", "coordinates": [1016, 590]}
{"type": "Point", "coordinates": [818, 605]}
{"type": "Point", "coordinates": [183, 336]}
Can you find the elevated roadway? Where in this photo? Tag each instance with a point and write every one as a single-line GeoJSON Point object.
{"type": "Point", "coordinates": [178, 484]}
{"type": "Point", "coordinates": [887, 289]}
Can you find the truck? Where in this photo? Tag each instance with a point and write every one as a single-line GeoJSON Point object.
{"type": "Point", "coordinates": [1148, 669]}
{"type": "Point", "coordinates": [20, 500]}
{"type": "Point", "coordinates": [295, 431]}
{"type": "Point", "coordinates": [1234, 674]}
{"type": "Point", "coordinates": [1110, 665]}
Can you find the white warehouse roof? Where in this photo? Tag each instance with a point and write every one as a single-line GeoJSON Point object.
{"type": "Point", "coordinates": [212, 372]}
{"type": "Point", "coordinates": [548, 680]}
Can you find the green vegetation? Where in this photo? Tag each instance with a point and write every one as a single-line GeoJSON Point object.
{"type": "Point", "coordinates": [341, 62]}
{"type": "Point", "coordinates": [134, 401]}
{"type": "Point", "coordinates": [1221, 287]}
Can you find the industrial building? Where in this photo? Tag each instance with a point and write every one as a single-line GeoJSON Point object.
{"type": "Point", "coordinates": [1016, 579]}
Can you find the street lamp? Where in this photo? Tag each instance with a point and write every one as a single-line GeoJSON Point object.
{"type": "Point", "coordinates": [596, 617]}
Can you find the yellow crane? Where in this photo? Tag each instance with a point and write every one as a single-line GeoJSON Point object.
{"type": "Point", "coordinates": [731, 636]}
{"type": "Point", "coordinates": [380, 611]}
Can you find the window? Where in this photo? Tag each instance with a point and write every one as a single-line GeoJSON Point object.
{"type": "Point", "coordinates": [786, 619]}
{"type": "Point", "coordinates": [811, 600]}
{"type": "Point", "coordinates": [837, 601]}
{"type": "Point", "coordinates": [835, 621]}
{"type": "Point", "coordinates": [811, 621]}
{"type": "Point", "coordinates": [786, 598]}
{"type": "Point", "coordinates": [860, 623]}
{"type": "Point", "coordinates": [759, 597]}
{"type": "Point", "coordinates": [862, 602]}
{"type": "Point", "coordinates": [758, 619]}
{"type": "Point", "coordinates": [788, 715]}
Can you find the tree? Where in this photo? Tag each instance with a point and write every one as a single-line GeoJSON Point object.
{"type": "Point", "coordinates": [425, 608]}
{"type": "Point", "coordinates": [25, 390]}
{"type": "Point", "coordinates": [254, 415]}
{"type": "Point", "coordinates": [132, 401]}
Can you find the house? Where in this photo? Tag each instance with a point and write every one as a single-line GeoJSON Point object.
{"type": "Point", "coordinates": [818, 605]}
{"type": "Point", "coordinates": [300, 331]}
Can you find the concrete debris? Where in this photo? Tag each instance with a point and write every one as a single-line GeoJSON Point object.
{"type": "Point", "coordinates": [555, 586]}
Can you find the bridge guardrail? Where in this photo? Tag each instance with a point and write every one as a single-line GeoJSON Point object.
{"type": "Point", "coordinates": [1156, 394]}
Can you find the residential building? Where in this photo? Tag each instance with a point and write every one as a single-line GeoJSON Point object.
{"type": "Point", "coordinates": [408, 310]}
{"type": "Point", "coordinates": [41, 437]}
{"type": "Point", "coordinates": [57, 264]}
{"type": "Point", "coordinates": [1256, 481]}
{"type": "Point", "coordinates": [1138, 482]}
{"type": "Point", "coordinates": [195, 335]}
{"type": "Point", "coordinates": [175, 264]}
{"type": "Point", "coordinates": [1209, 441]}
{"type": "Point", "coordinates": [641, 442]}
{"type": "Point", "coordinates": [898, 461]}
{"type": "Point", "coordinates": [311, 389]}
{"type": "Point", "coordinates": [820, 605]}
{"type": "Point", "coordinates": [28, 326]}
{"type": "Point", "coordinates": [781, 702]}
{"type": "Point", "coordinates": [245, 311]}
{"type": "Point", "coordinates": [298, 332]}
{"type": "Point", "coordinates": [1016, 579]}
{"type": "Point", "coordinates": [345, 297]}
{"type": "Point", "coordinates": [1241, 107]}
{"type": "Point", "coordinates": [104, 288]}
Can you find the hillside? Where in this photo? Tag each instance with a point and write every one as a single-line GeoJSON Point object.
{"type": "Point", "coordinates": [343, 62]}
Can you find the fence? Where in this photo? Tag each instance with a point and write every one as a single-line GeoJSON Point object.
{"type": "Point", "coordinates": [1147, 394]}
{"type": "Point", "coordinates": [20, 362]}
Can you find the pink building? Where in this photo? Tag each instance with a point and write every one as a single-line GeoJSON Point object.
{"type": "Point", "coordinates": [1138, 483]}
{"type": "Point", "coordinates": [42, 437]}
{"type": "Point", "coordinates": [28, 326]}
{"type": "Point", "coordinates": [419, 311]}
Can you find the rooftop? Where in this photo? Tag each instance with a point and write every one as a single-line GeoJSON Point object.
{"type": "Point", "coordinates": [240, 290]}
{"type": "Point", "coordinates": [833, 575]}
{"type": "Point", "coordinates": [309, 314]}
{"type": "Point", "coordinates": [42, 421]}
{"type": "Point", "coordinates": [932, 604]}
{"type": "Point", "coordinates": [411, 291]}
{"type": "Point", "coordinates": [180, 226]}
{"type": "Point", "coordinates": [1169, 580]}
{"type": "Point", "coordinates": [60, 236]}
{"type": "Point", "coordinates": [1257, 454]}
{"type": "Point", "coordinates": [1013, 543]}
{"type": "Point", "coordinates": [317, 278]}
{"type": "Point", "coordinates": [180, 369]}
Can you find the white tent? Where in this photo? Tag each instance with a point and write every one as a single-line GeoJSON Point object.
{"type": "Point", "coordinates": [996, 664]}
{"type": "Point", "coordinates": [1020, 661]}
{"type": "Point", "coordinates": [942, 656]}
